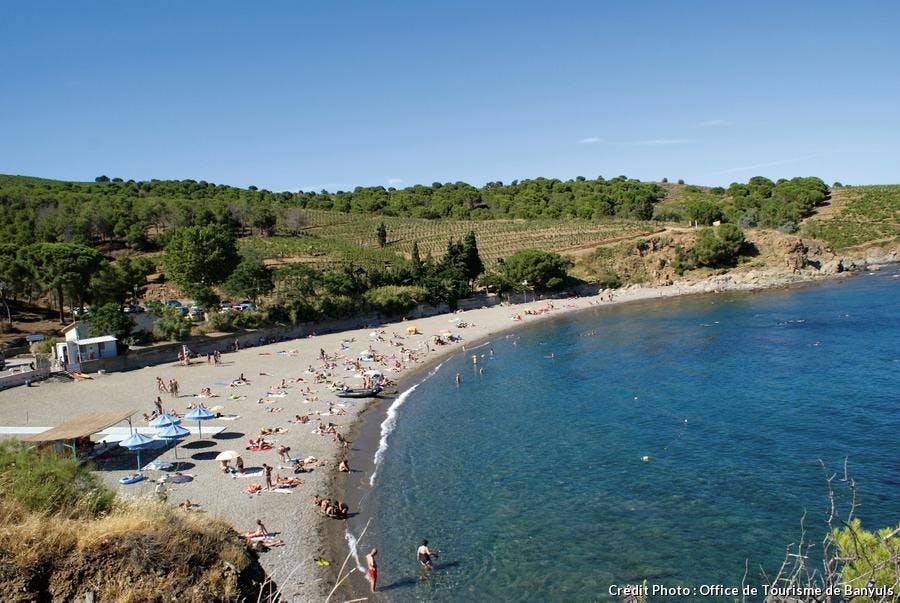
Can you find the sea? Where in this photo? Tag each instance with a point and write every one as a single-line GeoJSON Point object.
{"type": "Point", "coordinates": [684, 442]}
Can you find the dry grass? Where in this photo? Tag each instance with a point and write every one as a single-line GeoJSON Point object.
{"type": "Point", "coordinates": [141, 551]}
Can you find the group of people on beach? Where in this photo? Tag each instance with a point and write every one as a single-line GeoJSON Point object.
{"type": "Point", "coordinates": [335, 509]}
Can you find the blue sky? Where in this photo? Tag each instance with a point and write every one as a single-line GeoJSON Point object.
{"type": "Point", "coordinates": [290, 95]}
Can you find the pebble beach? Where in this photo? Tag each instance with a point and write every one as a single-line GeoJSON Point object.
{"type": "Point", "coordinates": [284, 380]}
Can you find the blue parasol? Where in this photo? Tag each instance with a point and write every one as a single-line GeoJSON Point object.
{"type": "Point", "coordinates": [172, 432]}
{"type": "Point", "coordinates": [137, 441]}
{"type": "Point", "coordinates": [164, 420]}
{"type": "Point", "coordinates": [200, 414]}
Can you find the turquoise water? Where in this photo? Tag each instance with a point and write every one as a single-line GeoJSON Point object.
{"type": "Point", "coordinates": [529, 477]}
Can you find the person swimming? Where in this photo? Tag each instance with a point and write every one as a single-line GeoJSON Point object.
{"type": "Point", "coordinates": [423, 555]}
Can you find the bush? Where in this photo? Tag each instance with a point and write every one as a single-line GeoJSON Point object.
{"type": "Point", "coordinates": [171, 326]}
{"type": "Point", "coordinates": [662, 213]}
{"type": "Point", "coordinates": [219, 322]}
{"type": "Point", "coordinates": [110, 320]}
{"type": "Point", "coordinates": [393, 300]}
{"type": "Point", "coordinates": [43, 482]}
{"type": "Point", "coordinates": [718, 248]}
{"type": "Point", "coordinates": [703, 212]}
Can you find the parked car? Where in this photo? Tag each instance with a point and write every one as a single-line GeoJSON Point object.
{"type": "Point", "coordinates": [242, 305]}
{"type": "Point", "coordinates": [132, 309]}
{"type": "Point", "coordinates": [173, 303]}
{"type": "Point", "coordinates": [196, 313]}
{"type": "Point", "coordinates": [81, 311]}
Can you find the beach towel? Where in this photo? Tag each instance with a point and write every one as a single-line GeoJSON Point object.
{"type": "Point", "coordinates": [249, 472]}
{"type": "Point", "coordinates": [228, 417]}
{"type": "Point", "coordinates": [283, 489]}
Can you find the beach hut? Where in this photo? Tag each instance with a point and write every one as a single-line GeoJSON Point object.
{"type": "Point", "coordinates": [79, 348]}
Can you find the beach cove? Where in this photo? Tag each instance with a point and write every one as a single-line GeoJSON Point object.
{"type": "Point", "coordinates": [595, 450]}
{"type": "Point", "coordinates": [291, 513]}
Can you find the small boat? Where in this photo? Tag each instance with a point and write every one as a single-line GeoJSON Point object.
{"type": "Point", "coordinates": [131, 479]}
{"type": "Point", "coordinates": [362, 392]}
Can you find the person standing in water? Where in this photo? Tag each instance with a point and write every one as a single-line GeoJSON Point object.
{"type": "Point", "coordinates": [423, 555]}
{"type": "Point", "coordinates": [372, 571]}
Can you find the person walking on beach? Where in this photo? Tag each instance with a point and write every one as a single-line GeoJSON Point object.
{"type": "Point", "coordinates": [372, 571]}
{"type": "Point", "coordinates": [423, 555]}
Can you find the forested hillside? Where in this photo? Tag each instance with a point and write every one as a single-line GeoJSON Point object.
{"type": "Point", "coordinates": [307, 256]}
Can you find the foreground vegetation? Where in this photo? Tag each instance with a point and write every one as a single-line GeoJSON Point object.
{"type": "Point", "coordinates": [64, 534]}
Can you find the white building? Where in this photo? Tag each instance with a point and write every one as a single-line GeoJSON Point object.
{"type": "Point", "coordinates": [78, 348]}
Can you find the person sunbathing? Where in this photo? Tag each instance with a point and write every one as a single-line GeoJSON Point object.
{"type": "Point", "coordinates": [344, 466]}
{"type": "Point", "coordinates": [287, 482]}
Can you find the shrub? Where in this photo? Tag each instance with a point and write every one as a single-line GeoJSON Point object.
{"type": "Point", "coordinates": [219, 322]}
{"type": "Point", "coordinates": [110, 320]}
{"type": "Point", "coordinates": [43, 482]}
{"type": "Point", "coordinates": [662, 213]}
{"type": "Point", "coordinates": [393, 300]}
{"type": "Point", "coordinates": [718, 248]}
{"type": "Point", "coordinates": [171, 325]}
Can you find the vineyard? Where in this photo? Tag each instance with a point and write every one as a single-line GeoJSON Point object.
{"type": "Point", "coordinates": [860, 214]}
{"type": "Point", "coordinates": [329, 237]}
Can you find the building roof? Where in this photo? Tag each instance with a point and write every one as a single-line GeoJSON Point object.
{"type": "Point", "coordinates": [81, 426]}
{"type": "Point", "coordinates": [90, 340]}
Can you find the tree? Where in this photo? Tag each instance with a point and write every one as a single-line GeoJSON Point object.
{"type": "Point", "coordinates": [264, 220]}
{"type": "Point", "coordinates": [251, 278]}
{"type": "Point", "coordinates": [110, 320]}
{"type": "Point", "coordinates": [199, 257]}
{"type": "Point", "coordinates": [64, 268]}
{"type": "Point", "coordinates": [718, 248]}
{"type": "Point", "coordinates": [381, 233]}
{"type": "Point", "coordinates": [121, 280]}
{"type": "Point", "coordinates": [540, 269]}
{"type": "Point", "coordinates": [418, 266]}
{"type": "Point", "coordinates": [703, 212]}
{"type": "Point", "coordinates": [474, 265]}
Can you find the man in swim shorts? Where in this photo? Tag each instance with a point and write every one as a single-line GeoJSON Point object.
{"type": "Point", "coordinates": [423, 555]}
{"type": "Point", "coordinates": [372, 572]}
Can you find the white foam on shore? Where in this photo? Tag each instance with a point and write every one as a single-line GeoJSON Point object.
{"type": "Point", "coordinates": [352, 544]}
{"type": "Point", "coordinates": [390, 422]}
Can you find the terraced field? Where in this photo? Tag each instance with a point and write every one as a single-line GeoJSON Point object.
{"type": "Point", "coordinates": [858, 215]}
{"type": "Point", "coordinates": [329, 237]}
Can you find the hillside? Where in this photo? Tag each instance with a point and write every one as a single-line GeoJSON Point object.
{"type": "Point", "coordinates": [311, 256]}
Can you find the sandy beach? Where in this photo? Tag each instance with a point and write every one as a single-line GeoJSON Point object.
{"type": "Point", "coordinates": [292, 378]}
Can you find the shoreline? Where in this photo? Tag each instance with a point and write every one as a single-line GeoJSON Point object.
{"type": "Point", "coordinates": [307, 532]}
{"type": "Point", "coordinates": [367, 424]}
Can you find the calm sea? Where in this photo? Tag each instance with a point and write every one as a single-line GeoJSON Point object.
{"type": "Point", "coordinates": [676, 441]}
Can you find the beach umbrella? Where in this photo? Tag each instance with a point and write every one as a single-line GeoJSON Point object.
{"type": "Point", "coordinates": [227, 455]}
{"type": "Point", "coordinates": [172, 432]}
{"type": "Point", "coordinates": [136, 442]}
{"type": "Point", "coordinates": [200, 414]}
{"type": "Point", "coordinates": [164, 420]}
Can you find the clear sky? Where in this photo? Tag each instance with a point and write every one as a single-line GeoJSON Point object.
{"type": "Point", "coordinates": [315, 94]}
